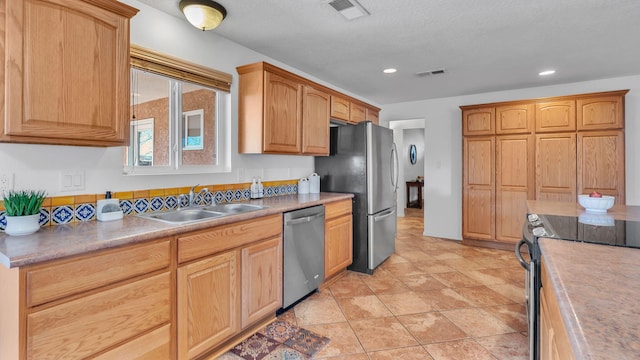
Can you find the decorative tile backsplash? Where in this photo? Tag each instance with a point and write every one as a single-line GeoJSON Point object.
{"type": "Point", "coordinates": [69, 209]}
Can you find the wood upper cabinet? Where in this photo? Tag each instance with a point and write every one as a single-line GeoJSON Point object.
{"type": "Point", "coordinates": [515, 179]}
{"type": "Point", "coordinates": [478, 121]}
{"type": "Point", "coordinates": [67, 72]}
{"type": "Point", "coordinates": [601, 112]}
{"type": "Point", "coordinates": [261, 280]}
{"type": "Point", "coordinates": [340, 108]}
{"type": "Point", "coordinates": [208, 297]}
{"type": "Point", "coordinates": [556, 167]}
{"type": "Point", "coordinates": [554, 116]}
{"type": "Point", "coordinates": [373, 115]}
{"type": "Point", "coordinates": [315, 127]}
{"type": "Point", "coordinates": [358, 113]}
{"type": "Point", "coordinates": [283, 115]}
{"type": "Point", "coordinates": [478, 188]}
{"type": "Point", "coordinates": [515, 119]}
{"type": "Point", "coordinates": [601, 163]}
{"type": "Point", "coordinates": [338, 233]}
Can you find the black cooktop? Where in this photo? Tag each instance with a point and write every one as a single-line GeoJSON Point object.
{"type": "Point", "coordinates": [588, 227]}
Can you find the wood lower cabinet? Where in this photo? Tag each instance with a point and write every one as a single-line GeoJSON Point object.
{"type": "Point", "coordinates": [478, 188]}
{"type": "Point", "coordinates": [57, 52]}
{"type": "Point", "coordinates": [515, 184]}
{"type": "Point", "coordinates": [338, 237]}
{"type": "Point", "coordinates": [96, 305]}
{"type": "Point", "coordinates": [601, 163]}
{"type": "Point", "coordinates": [208, 296]}
{"type": "Point", "coordinates": [229, 278]}
{"type": "Point", "coordinates": [554, 340]}
{"type": "Point", "coordinates": [261, 280]}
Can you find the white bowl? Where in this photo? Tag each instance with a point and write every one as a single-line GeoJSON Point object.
{"type": "Point", "coordinates": [596, 204]}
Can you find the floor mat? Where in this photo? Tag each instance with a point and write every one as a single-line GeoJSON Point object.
{"type": "Point", "coordinates": [279, 340]}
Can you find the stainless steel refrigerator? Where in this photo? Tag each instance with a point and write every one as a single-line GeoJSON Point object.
{"type": "Point", "coordinates": [364, 161]}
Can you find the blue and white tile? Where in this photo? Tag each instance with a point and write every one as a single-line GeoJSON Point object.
{"type": "Point", "coordinates": [283, 190]}
{"type": "Point", "coordinates": [295, 188]}
{"type": "Point", "coordinates": [276, 190]}
{"type": "Point", "coordinates": [3, 220]}
{"type": "Point", "coordinates": [237, 195]}
{"type": "Point", "coordinates": [268, 191]}
{"type": "Point", "coordinates": [62, 214]}
{"type": "Point", "coordinates": [228, 195]}
{"type": "Point", "coordinates": [246, 194]}
{"type": "Point", "coordinates": [126, 206]}
{"type": "Point", "coordinates": [85, 212]}
{"type": "Point", "coordinates": [45, 217]}
{"type": "Point", "coordinates": [290, 189]}
{"type": "Point", "coordinates": [207, 198]}
{"type": "Point", "coordinates": [157, 203]}
{"type": "Point", "coordinates": [219, 197]}
{"type": "Point", "coordinates": [141, 206]}
{"type": "Point", "coordinates": [170, 202]}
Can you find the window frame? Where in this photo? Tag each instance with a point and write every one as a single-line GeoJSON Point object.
{"type": "Point", "coordinates": [179, 71]}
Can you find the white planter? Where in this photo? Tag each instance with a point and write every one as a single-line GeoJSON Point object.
{"type": "Point", "coordinates": [22, 225]}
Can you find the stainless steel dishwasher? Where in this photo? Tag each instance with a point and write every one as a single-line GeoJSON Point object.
{"type": "Point", "coordinates": [303, 253]}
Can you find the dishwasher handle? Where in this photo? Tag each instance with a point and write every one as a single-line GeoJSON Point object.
{"type": "Point", "coordinates": [521, 260]}
{"type": "Point", "coordinates": [304, 219]}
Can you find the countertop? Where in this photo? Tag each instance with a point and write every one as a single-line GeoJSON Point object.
{"type": "Point", "coordinates": [54, 242]}
{"type": "Point", "coordinates": [618, 212]}
{"type": "Point", "coordinates": [597, 287]}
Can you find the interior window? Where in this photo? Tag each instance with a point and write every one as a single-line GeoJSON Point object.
{"type": "Point", "coordinates": [179, 119]}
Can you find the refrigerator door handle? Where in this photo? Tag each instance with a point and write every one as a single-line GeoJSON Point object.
{"type": "Point", "coordinates": [384, 214]}
{"type": "Point", "coordinates": [395, 167]}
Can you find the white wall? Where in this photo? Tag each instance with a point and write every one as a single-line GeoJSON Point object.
{"type": "Point", "coordinates": [443, 144]}
{"type": "Point", "coordinates": [38, 166]}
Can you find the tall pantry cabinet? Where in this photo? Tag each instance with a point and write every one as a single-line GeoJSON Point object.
{"type": "Point", "coordinates": [542, 149]}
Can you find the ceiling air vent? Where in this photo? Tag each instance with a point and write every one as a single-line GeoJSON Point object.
{"type": "Point", "coordinates": [350, 9]}
{"type": "Point", "coordinates": [431, 72]}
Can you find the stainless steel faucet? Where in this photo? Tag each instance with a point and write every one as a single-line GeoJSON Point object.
{"type": "Point", "coordinates": [192, 195]}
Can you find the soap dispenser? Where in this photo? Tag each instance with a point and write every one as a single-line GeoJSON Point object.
{"type": "Point", "coordinates": [254, 188]}
{"type": "Point", "coordinates": [108, 209]}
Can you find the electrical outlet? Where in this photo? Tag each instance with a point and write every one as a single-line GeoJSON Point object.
{"type": "Point", "coordinates": [6, 182]}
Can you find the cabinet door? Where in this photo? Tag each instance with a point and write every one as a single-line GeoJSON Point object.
{"type": "Point", "coordinates": [514, 184]}
{"type": "Point", "coordinates": [261, 280]}
{"type": "Point", "coordinates": [601, 163]}
{"type": "Point", "coordinates": [338, 244]}
{"type": "Point", "coordinates": [373, 115]}
{"type": "Point", "coordinates": [357, 113]}
{"type": "Point", "coordinates": [478, 188]}
{"type": "Point", "coordinates": [340, 108]}
{"type": "Point", "coordinates": [479, 121]}
{"type": "Point", "coordinates": [152, 346]}
{"type": "Point", "coordinates": [515, 119]}
{"type": "Point", "coordinates": [553, 116]}
{"type": "Point", "coordinates": [68, 70]}
{"type": "Point", "coordinates": [282, 118]}
{"type": "Point", "coordinates": [315, 122]}
{"type": "Point", "coordinates": [207, 303]}
{"type": "Point", "coordinates": [556, 167]}
{"type": "Point", "coordinates": [600, 113]}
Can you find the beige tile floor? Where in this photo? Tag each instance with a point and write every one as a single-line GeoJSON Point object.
{"type": "Point", "coordinates": [432, 299]}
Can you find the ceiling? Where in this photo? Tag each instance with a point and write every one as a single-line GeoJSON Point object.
{"type": "Point", "coordinates": [484, 46]}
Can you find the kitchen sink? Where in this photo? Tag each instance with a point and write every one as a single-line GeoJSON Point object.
{"type": "Point", "coordinates": [232, 208]}
{"type": "Point", "coordinates": [183, 215]}
{"type": "Point", "coordinates": [200, 213]}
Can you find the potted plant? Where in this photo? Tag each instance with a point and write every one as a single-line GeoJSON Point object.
{"type": "Point", "coordinates": [23, 211]}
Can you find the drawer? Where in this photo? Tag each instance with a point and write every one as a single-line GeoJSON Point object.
{"type": "Point", "coordinates": [85, 326]}
{"type": "Point", "coordinates": [152, 346]}
{"type": "Point", "coordinates": [221, 238]}
{"type": "Point", "coordinates": [337, 208]}
{"type": "Point", "coordinates": [60, 279]}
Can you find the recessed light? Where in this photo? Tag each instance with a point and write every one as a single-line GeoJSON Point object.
{"type": "Point", "coordinates": [547, 72]}
{"type": "Point", "coordinates": [389, 71]}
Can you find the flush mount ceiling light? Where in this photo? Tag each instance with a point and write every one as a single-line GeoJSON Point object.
{"type": "Point", "coordinates": [203, 14]}
{"type": "Point", "coordinates": [389, 71]}
{"type": "Point", "coordinates": [547, 72]}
